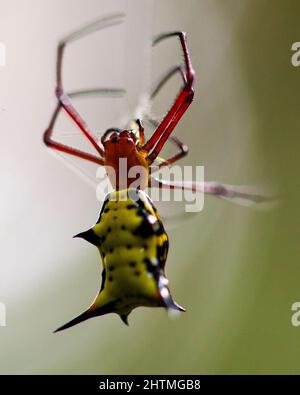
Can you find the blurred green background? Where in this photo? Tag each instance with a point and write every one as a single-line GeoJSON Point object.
{"type": "Point", "coordinates": [235, 269]}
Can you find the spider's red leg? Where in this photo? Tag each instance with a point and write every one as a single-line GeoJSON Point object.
{"type": "Point", "coordinates": [183, 151]}
{"type": "Point", "coordinates": [61, 96]}
{"type": "Point", "coordinates": [184, 104]}
{"type": "Point", "coordinates": [162, 81]}
{"type": "Point", "coordinates": [183, 148]}
{"type": "Point", "coordinates": [183, 100]}
{"type": "Point", "coordinates": [71, 111]}
{"type": "Point", "coordinates": [65, 148]}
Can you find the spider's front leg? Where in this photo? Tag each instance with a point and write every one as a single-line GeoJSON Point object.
{"type": "Point", "coordinates": [64, 99]}
{"type": "Point", "coordinates": [183, 148]}
{"type": "Point", "coordinates": [155, 144]}
{"type": "Point", "coordinates": [65, 148]}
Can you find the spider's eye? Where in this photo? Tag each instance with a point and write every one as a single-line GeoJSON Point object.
{"type": "Point", "coordinates": [110, 134]}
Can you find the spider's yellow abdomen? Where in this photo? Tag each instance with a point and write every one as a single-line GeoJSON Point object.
{"type": "Point", "coordinates": [133, 246]}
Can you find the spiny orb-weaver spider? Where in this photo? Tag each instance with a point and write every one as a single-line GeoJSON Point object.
{"type": "Point", "coordinates": [129, 233]}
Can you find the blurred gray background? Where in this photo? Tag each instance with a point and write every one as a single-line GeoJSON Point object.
{"type": "Point", "coordinates": [236, 270]}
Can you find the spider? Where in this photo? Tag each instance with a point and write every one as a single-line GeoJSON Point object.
{"type": "Point", "coordinates": [116, 144]}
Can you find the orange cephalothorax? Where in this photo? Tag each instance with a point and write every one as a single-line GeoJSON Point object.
{"type": "Point", "coordinates": [125, 159]}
